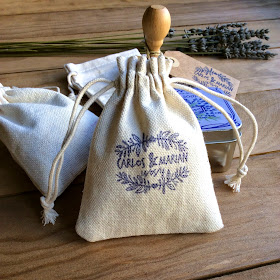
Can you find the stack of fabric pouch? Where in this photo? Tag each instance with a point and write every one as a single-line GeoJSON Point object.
{"type": "Point", "coordinates": [148, 170]}
{"type": "Point", "coordinates": [33, 124]}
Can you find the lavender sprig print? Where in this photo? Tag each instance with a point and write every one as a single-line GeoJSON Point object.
{"type": "Point", "coordinates": [135, 144]}
{"type": "Point", "coordinates": [168, 140]}
{"type": "Point", "coordinates": [167, 180]}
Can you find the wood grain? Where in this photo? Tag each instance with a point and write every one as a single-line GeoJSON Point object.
{"type": "Point", "coordinates": [250, 237]}
{"type": "Point", "coordinates": [13, 178]}
{"type": "Point", "coordinates": [41, 6]}
{"type": "Point", "coordinates": [55, 77]}
{"type": "Point", "coordinates": [28, 64]}
{"type": "Point", "coordinates": [272, 24]}
{"type": "Point", "coordinates": [54, 24]}
{"type": "Point", "coordinates": [268, 272]}
{"type": "Point", "coordinates": [254, 75]}
{"type": "Point", "coordinates": [265, 105]}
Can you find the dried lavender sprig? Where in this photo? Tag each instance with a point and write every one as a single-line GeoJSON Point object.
{"type": "Point", "coordinates": [221, 39]}
{"type": "Point", "coordinates": [245, 51]}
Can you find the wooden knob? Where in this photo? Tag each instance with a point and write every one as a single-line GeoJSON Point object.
{"type": "Point", "coordinates": [156, 24]}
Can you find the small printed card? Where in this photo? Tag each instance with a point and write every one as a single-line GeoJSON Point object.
{"type": "Point", "coordinates": [189, 68]}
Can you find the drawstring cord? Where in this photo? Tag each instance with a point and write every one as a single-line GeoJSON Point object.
{"type": "Point", "coordinates": [71, 95]}
{"type": "Point", "coordinates": [53, 87]}
{"type": "Point", "coordinates": [49, 215]}
{"type": "Point", "coordinates": [234, 180]}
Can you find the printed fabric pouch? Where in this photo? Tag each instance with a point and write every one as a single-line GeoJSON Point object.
{"type": "Point", "coordinates": [33, 124]}
{"type": "Point", "coordinates": [104, 67]}
{"type": "Point", "coordinates": [148, 170]}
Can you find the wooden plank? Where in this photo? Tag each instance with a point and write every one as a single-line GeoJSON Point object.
{"type": "Point", "coordinates": [272, 24]}
{"type": "Point", "coordinates": [13, 178]}
{"type": "Point", "coordinates": [56, 77]}
{"type": "Point", "coordinates": [23, 64]}
{"type": "Point", "coordinates": [31, 6]}
{"type": "Point", "coordinates": [28, 26]}
{"type": "Point", "coordinates": [250, 237]}
{"type": "Point", "coordinates": [265, 105]}
{"type": "Point", "coordinates": [268, 272]}
{"type": "Point", "coordinates": [27, 64]}
{"type": "Point", "coordinates": [254, 75]}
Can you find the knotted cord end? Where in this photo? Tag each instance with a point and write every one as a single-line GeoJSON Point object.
{"type": "Point", "coordinates": [234, 180]}
{"type": "Point", "coordinates": [49, 215]}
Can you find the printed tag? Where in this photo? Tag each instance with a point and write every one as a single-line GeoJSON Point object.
{"type": "Point", "coordinates": [187, 67]}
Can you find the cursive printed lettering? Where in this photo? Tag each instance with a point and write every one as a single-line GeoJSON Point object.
{"type": "Point", "coordinates": [130, 162]}
{"type": "Point", "coordinates": [202, 75]}
{"type": "Point", "coordinates": [152, 160]}
{"type": "Point", "coordinates": [173, 158]}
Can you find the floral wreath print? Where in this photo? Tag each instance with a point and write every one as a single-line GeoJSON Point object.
{"type": "Point", "coordinates": [166, 179]}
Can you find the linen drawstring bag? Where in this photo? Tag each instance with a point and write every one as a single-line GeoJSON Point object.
{"type": "Point", "coordinates": [33, 124]}
{"type": "Point", "coordinates": [104, 67]}
{"type": "Point", "coordinates": [148, 170]}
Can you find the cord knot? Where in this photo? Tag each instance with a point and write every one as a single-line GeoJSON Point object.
{"type": "Point", "coordinates": [46, 205]}
{"type": "Point", "coordinates": [234, 181]}
{"type": "Point", "coordinates": [49, 215]}
{"type": "Point", "coordinates": [242, 172]}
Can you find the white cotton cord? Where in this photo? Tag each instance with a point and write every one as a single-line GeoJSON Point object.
{"type": "Point", "coordinates": [234, 181]}
{"type": "Point", "coordinates": [74, 110]}
{"type": "Point", "coordinates": [72, 94]}
{"type": "Point", "coordinates": [53, 87]}
{"type": "Point", "coordinates": [218, 107]}
{"type": "Point", "coordinates": [247, 111]}
{"type": "Point", "coordinates": [49, 215]}
{"type": "Point", "coordinates": [71, 133]}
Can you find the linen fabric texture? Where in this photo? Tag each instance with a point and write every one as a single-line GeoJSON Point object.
{"type": "Point", "coordinates": [33, 123]}
{"type": "Point", "coordinates": [103, 67]}
{"type": "Point", "coordinates": [148, 170]}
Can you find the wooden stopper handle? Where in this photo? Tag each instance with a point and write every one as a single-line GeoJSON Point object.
{"type": "Point", "coordinates": [156, 24]}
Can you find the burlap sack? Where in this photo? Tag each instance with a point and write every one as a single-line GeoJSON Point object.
{"type": "Point", "coordinates": [148, 170]}
{"type": "Point", "coordinates": [152, 175]}
{"type": "Point", "coordinates": [33, 124]}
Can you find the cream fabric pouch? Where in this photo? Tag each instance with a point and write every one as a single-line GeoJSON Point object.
{"type": "Point", "coordinates": [148, 170]}
{"type": "Point", "coordinates": [105, 67]}
{"type": "Point", "coordinates": [33, 124]}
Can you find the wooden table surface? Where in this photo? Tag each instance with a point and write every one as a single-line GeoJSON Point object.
{"type": "Point", "coordinates": [249, 245]}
